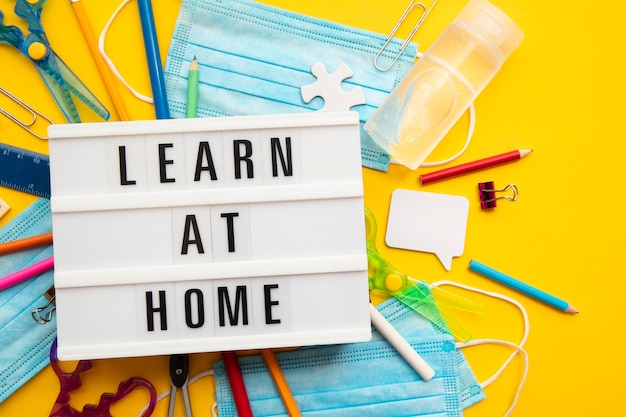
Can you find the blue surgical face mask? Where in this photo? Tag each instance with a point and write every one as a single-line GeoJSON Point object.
{"type": "Point", "coordinates": [255, 58]}
{"type": "Point", "coordinates": [362, 379]}
{"type": "Point", "coordinates": [24, 344]}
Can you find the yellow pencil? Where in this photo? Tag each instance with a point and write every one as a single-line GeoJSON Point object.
{"type": "Point", "coordinates": [105, 72]}
{"type": "Point", "coordinates": [281, 382]}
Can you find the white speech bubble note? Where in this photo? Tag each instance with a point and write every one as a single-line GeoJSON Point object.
{"type": "Point", "coordinates": [428, 222]}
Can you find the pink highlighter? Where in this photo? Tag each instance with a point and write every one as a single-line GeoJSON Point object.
{"type": "Point", "coordinates": [26, 273]}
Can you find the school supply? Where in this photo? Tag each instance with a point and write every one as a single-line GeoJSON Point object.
{"type": "Point", "coordinates": [281, 383]}
{"type": "Point", "coordinates": [473, 166]}
{"type": "Point", "coordinates": [407, 12]}
{"type": "Point", "coordinates": [487, 194]}
{"type": "Point", "coordinates": [362, 379]}
{"type": "Point", "coordinates": [522, 287]}
{"type": "Point", "coordinates": [103, 69]}
{"type": "Point", "coordinates": [70, 382]}
{"type": "Point", "coordinates": [26, 273]}
{"type": "Point", "coordinates": [26, 243]}
{"type": "Point", "coordinates": [33, 125]}
{"type": "Point", "coordinates": [179, 373]}
{"type": "Point", "coordinates": [24, 170]}
{"type": "Point", "coordinates": [236, 383]}
{"type": "Point", "coordinates": [401, 346]}
{"type": "Point", "coordinates": [4, 208]}
{"type": "Point", "coordinates": [155, 68]}
{"type": "Point", "coordinates": [428, 222]}
{"type": "Point", "coordinates": [415, 294]}
{"type": "Point", "coordinates": [43, 314]}
{"type": "Point", "coordinates": [192, 89]}
{"type": "Point", "coordinates": [59, 78]}
{"type": "Point", "coordinates": [25, 344]}
{"type": "Point", "coordinates": [444, 82]}
{"type": "Point", "coordinates": [263, 71]}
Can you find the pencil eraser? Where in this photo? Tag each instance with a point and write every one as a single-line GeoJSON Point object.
{"type": "Point", "coordinates": [4, 207]}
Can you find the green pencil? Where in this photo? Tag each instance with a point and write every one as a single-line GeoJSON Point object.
{"type": "Point", "coordinates": [192, 89]}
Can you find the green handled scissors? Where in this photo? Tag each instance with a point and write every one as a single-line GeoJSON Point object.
{"type": "Point", "coordinates": [416, 294]}
{"type": "Point", "coordinates": [59, 78]}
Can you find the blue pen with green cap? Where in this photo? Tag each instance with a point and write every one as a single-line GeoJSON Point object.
{"type": "Point", "coordinates": [524, 288]}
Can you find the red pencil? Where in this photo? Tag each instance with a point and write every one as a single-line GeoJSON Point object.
{"type": "Point", "coordinates": [237, 385]}
{"type": "Point", "coordinates": [473, 166]}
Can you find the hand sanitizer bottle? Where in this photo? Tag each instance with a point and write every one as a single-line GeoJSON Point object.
{"type": "Point", "coordinates": [443, 83]}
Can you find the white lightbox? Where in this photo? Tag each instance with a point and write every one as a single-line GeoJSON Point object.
{"type": "Point", "coordinates": [203, 235]}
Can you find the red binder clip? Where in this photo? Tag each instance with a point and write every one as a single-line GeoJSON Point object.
{"type": "Point", "coordinates": [487, 194]}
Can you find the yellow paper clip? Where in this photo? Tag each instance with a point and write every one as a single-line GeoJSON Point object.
{"type": "Point", "coordinates": [407, 11]}
{"type": "Point", "coordinates": [32, 114]}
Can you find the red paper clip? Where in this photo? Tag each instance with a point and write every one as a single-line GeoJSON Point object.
{"type": "Point", "coordinates": [487, 194]}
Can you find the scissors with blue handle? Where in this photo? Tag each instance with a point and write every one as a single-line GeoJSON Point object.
{"type": "Point", "coordinates": [59, 78]}
{"type": "Point", "coordinates": [416, 294]}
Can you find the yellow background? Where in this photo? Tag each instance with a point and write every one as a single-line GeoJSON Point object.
{"type": "Point", "coordinates": [561, 94]}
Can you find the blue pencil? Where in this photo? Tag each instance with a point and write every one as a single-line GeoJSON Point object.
{"type": "Point", "coordinates": [157, 80]}
{"type": "Point", "coordinates": [522, 287]}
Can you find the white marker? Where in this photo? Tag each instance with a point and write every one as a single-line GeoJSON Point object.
{"type": "Point", "coordinates": [399, 343]}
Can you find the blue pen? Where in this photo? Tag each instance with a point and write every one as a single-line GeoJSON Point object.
{"type": "Point", "coordinates": [157, 80]}
{"type": "Point", "coordinates": [522, 287]}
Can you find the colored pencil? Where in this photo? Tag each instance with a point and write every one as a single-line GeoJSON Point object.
{"type": "Point", "coordinates": [281, 383]}
{"type": "Point", "coordinates": [400, 344]}
{"type": "Point", "coordinates": [157, 79]}
{"type": "Point", "coordinates": [26, 273]}
{"type": "Point", "coordinates": [473, 166]}
{"type": "Point", "coordinates": [193, 82]}
{"type": "Point", "coordinates": [105, 71]}
{"type": "Point", "coordinates": [26, 243]}
{"type": "Point", "coordinates": [522, 287]}
{"type": "Point", "coordinates": [237, 385]}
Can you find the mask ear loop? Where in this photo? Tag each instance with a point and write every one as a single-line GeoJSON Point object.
{"type": "Point", "coordinates": [518, 348]}
{"type": "Point", "coordinates": [468, 139]}
{"type": "Point", "coordinates": [109, 61]}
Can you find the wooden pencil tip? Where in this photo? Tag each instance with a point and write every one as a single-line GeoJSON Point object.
{"type": "Point", "coordinates": [570, 309]}
{"type": "Point", "coordinates": [524, 152]}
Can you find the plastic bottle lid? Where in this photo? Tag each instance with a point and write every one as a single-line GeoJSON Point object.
{"type": "Point", "coordinates": [493, 25]}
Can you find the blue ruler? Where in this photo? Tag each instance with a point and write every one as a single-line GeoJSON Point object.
{"type": "Point", "coordinates": [24, 170]}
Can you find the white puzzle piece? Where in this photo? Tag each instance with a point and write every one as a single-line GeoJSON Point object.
{"type": "Point", "coordinates": [328, 87]}
{"type": "Point", "coordinates": [428, 222]}
{"type": "Point", "coordinates": [4, 207]}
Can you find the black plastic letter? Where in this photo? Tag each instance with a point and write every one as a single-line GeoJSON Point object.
{"type": "Point", "coordinates": [190, 222]}
{"type": "Point", "coordinates": [161, 309]}
{"type": "Point", "coordinates": [285, 160]}
{"type": "Point", "coordinates": [164, 162]}
{"type": "Point", "coordinates": [204, 151]}
{"type": "Point", "coordinates": [239, 158]}
{"type": "Point", "coordinates": [200, 302]}
{"type": "Point", "coordinates": [241, 298]}
{"type": "Point", "coordinates": [123, 172]}
{"type": "Point", "coordinates": [231, 229]}
{"type": "Point", "coordinates": [269, 303]}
